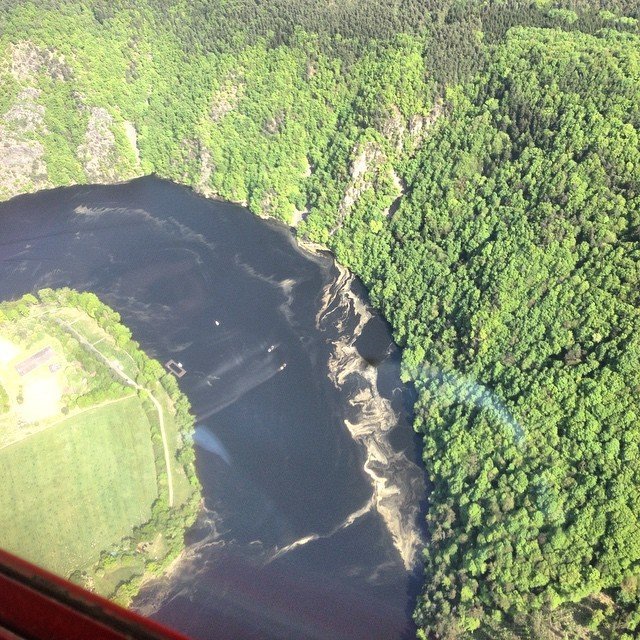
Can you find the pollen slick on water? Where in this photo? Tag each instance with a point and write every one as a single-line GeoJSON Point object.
{"type": "Point", "coordinates": [398, 483]}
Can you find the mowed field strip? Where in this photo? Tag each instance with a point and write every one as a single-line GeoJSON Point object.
{"type": "Point", "coordinates": [54, 423]}
{"type": "Point", "coordinates": [84, 485]}
{"type": "Point", "coordinates": [119, 372]}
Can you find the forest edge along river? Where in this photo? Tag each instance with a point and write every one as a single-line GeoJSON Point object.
{"type": "Point", "coordinates": [313, 490]}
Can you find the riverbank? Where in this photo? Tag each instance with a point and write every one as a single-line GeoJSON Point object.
{"type": "Point", "coordinates": [233, 299]}
{"type": "Point", "coordinates": [121, 518]}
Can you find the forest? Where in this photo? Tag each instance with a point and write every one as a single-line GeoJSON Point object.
{"type": "Point", "coordinates": [477, 165]}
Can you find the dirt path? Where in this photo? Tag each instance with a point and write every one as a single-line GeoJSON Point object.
{"type": "Point", "coordinates": [135, 385]}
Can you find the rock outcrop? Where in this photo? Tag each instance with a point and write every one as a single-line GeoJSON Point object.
{"type": "Point", "coordinates": [225, 99]}
{"type": "Point", "coordinates": [370, 167]}
{"type": "Point", "coordinates": [28, 60]}
{"type": "Point", "coordinates": [419, 125]}
{"type": "Point", "coordinates": [22, 127]}
{"type": "Point", "coordinates": [98, 153]}
{"type": "Point", "coordinates": [24, 134]}
{"type": "Point", "coordinates": [132, 136]}
{"type": "Point", "coordinates": [206, 171]}
{"type": "Point", "coordinates": [407, 135]}
{"type": "Point", "coordinates": [23, 167]}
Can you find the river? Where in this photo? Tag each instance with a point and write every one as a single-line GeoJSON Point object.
{"type": "Point", "coordinates": [310, 470]}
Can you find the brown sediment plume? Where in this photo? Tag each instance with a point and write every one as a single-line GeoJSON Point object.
{"type": "Point", "coordinates": [397, 482]}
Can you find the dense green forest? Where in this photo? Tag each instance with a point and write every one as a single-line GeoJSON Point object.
{"type": "Point", "coordinates": [477, 164]}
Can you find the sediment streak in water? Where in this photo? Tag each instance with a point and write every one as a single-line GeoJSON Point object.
{"type": "Point", "coordinates": [397, 482]}
{"type": "Point", "coordinates": [348, 521]}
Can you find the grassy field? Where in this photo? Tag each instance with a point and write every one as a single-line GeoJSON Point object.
{"type": "Point", "coordinates": [40, 392]}
{"type": "Point", "coordinates": [92, 487]}
{"type": "Point", "coordinates": [83, 483]}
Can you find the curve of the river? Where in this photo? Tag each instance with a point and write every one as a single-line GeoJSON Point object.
{"type": "Point", "coordinates": [310, 527]}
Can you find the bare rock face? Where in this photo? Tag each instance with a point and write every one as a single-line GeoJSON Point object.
{"type": "Point", "coordinates": [394, 129]}
{"type": "Point", "coordinates": [24, 135]}
{"type": "Point", "coordinates": [400, 188]}
{"type": "Point", "coordinates": [22, 168]}
{"type": "Point", "coordinates": [370, 156]}
{"type": "Point", "coordinates": [301, 214]}
{"type": "Point", "coordinates": [195, 166]}
{"type": "Point", "coordinates": [268, 204]}
{"type": "Point", "coordinates": [274, 124]}
{"type": "Point", "coordinates": [368, 168]}
{"type": "Point", "coordinates": [419, 125]}
{"type": "Point", "coordinates": [26, 115]}
{"type": "Point", "coordinates": [22, 165]}
{"type": "Point", "coordinates": [405, 135]}
{"type": "Point", "coordinates": [206, 171]}
{"type": "Point", "coordinates": [370, 165]}
{"type": "Point", "coordinates": [98, 153]}
{"type": "Point", "coordinates": [132, 136]}
{"type": "Point", "coordinates": [224, 100]}
{"type": "Point", "coordinates": [298, 216]}
{"type": "Point", "coordinates": [28, 60]}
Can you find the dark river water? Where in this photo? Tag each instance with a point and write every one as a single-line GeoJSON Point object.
{"type": "Point", "coordinates": [311, 525]}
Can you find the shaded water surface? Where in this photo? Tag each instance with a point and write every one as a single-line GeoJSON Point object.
{"type": "Point", "coordinates": [311, 521]}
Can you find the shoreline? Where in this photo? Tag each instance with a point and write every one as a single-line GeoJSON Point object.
{"type": "Point", "coordinates": [376, 419]}
{"type": "Point", "coordinates": [395, 480]}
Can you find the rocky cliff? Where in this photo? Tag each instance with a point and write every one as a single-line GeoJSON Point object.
{"type": "Point", "coordinates": [33, 137]}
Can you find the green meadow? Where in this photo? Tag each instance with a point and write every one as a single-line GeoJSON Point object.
{"type": "Point", "coordinates": [78, 487]}
{"type": "Point", "coordinates": [86, 486]}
